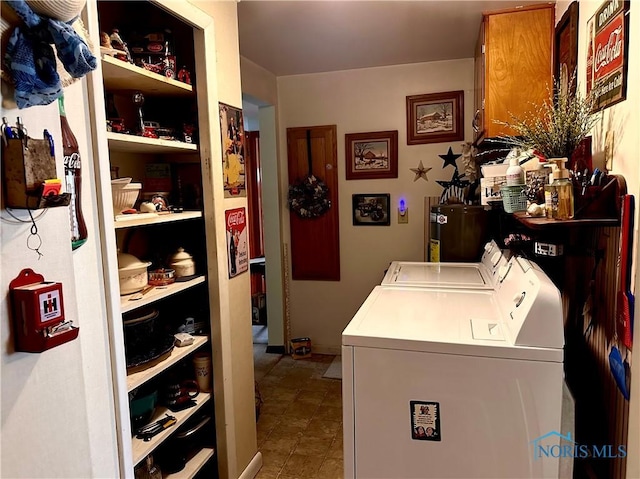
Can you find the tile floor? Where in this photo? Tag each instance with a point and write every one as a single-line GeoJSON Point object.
{"type": "Point", "coordinates": [300, 423]}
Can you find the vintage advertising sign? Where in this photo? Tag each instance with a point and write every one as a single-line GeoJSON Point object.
{"type": "Point", "coordinates": [237, 250]}
{"type": "Point", "coordinates": [607, 53]}
{"type": "Point", "coordinates": [232, 137]}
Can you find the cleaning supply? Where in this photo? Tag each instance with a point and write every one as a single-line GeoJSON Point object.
{"type": "Point", "coordinates": [558, 194]}
{"type": "Point", "coordinates": [515, 174]}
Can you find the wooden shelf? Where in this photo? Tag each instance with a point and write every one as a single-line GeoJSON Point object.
{"type": "Point", "coordinates": [157, 293]}
{"type": "Point", "coordinates": [142, 449]}
{"type": "Point", "coordinates": [142, 144]}
{"type": "Point", "coordinates": [120, 75]}
{"type": "Point", "coordinates": [194, 465]}
{"type": "Point", "coordinates": [145, 219]}
{"type": "Point", "coordinates": [550, 224]}
{"type": "Point", "coordinates": [137, 379]}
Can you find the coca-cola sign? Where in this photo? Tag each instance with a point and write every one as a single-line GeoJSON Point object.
{"type": "Point", "coordinates": [72, 162]}
{"type": "Point", "coordinates": [608, 44]}
{"type": "Point", "coordinates": [236, 232]}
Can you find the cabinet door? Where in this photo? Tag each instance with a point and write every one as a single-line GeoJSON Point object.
{"type": "Point", "coordinates": [478, 99]}
{"type": "Point", "coordinates": [518, 59]}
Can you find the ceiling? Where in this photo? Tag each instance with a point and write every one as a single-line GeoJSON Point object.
{"type": "Point", "coordinates": [298, 36]}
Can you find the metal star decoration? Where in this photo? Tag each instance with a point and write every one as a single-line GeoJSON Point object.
{"type": "Point", "coordinates": [449, 159]}
{"type": "Point", "coordinates": [453, 188]}
{"type": "Point", "coordinates": [421, 172]}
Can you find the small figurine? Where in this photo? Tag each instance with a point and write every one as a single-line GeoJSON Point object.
{"type": "Point", "coordinates": [188, 131]}
{"type": "Point", "coordinates": [105, 41]}
{"type": "Point", "coordinates": [118, 43]}
{"type": "Point", "coordinates": [138, 100]}
{"type": "Point", "coordinates": [184, 75]}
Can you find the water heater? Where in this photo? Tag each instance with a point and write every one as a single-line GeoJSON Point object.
{"type": "Point", "coordinates": [457, 233]}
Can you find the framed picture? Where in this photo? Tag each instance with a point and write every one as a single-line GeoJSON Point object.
{"type": "Point", "coordinates": [435, 118]}
{"type": "Point", "coordinates": [232, 138]}
{"type": "Point", "coordinates": [236, 232]}
{"type": "Point", "coordinates": [371, 209]}
{"type": "Point", "coordinates": [566, 46]}
{"type": "Point", "coordinates": [607, 54]}
{"type": "Point", "coordinates": [371, 155]}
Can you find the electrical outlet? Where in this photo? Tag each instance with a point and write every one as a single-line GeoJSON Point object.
{"type": "Point", "coordinates": [403, 218]}
{"type": "Point", "coordinates": [608, 151]}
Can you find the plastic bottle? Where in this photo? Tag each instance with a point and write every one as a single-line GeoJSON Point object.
{"type": "Point", "coordinates": [559, 192]}
{"type": "Point", "coordinates": [73, 179]}
{"type": "Point", "coordinates": [515, 174]}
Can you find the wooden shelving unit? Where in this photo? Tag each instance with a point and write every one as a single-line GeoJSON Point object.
{"type": "Point", "coordinates": [136, 379]}
{"type": "Point", "coordinates": [142, 449]}
{"type": "Point", "coordinates": [550, 224]}
{"type": "Point", "coordinates": [142, 144]}
{"type": "Point", "coordinates": [194, 465]}
{"type": "Point", "coordinates": [147, 219]}
{"type": "Point", "coordinates": [120, 75]}
{"type": "Point", "coordinates": [157, 293]}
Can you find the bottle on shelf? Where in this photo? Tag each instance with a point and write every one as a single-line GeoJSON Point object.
{"type": "Point", "coordinates": [558, 193]}
{"type": "Point", "coordinates": [73, 179]}
{"type": "Point", "coordinates": [515, 173]}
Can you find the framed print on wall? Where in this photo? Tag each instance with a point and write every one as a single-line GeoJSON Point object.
{"type": "Point", "coordinates": [566, 46]}
{"type": "Point", "coordinates": [435, 117]}
{"type": "Point", "coordinates": [371, 209]}
{"type": "Point", "coordinates": [371, 155]}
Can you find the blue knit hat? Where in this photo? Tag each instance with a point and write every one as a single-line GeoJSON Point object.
{"type": "Point", "coordinates": [31, 61]}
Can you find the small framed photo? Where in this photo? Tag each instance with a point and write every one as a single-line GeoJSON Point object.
{"type": "Point", "coordinates": [435, 118]}
{"type": "Point", "coordinates": [371, 209]}
{"type": "Point", "coordinates": [371, 155]}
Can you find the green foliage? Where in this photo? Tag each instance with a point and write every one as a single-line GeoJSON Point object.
{"type": "Point", "coordinates": [555, 128]}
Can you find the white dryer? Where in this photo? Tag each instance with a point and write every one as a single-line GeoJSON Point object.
{"type": "Point", "coordinates": [481, 275]}
{"type": "Point", "coordinates": [455, 383]}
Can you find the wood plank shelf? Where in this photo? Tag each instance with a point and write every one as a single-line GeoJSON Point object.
{"type": "Point", "coordinates": [142, 144]}
{"type": "Point", "coordinates": [142, 449]}
{"type": "Point", "coordinates": [535, 223]}
{"type": "Point", "coordinates": [157, 293]}
{"type": "Point", "coordinates": [137, 379]}
{"type": "Point", "coordinates": [194, 465]}
{"type": "Point", "coordinates": [121, 75]}
{"type": "Point", "coordinates": [146, 219]}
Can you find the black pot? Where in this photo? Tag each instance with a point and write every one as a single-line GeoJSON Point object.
{"type": "Point", "coordinates": [197, 433]}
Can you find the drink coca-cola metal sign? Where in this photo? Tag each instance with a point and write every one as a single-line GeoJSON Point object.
{"type": "Point", "coordinates": [237, 250]}
{"type": "Point", "coordinates": [608, 36]}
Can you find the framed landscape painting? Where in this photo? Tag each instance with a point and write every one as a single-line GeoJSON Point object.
{"type": "Point", "coordinates": [435, 118]}
{"type": "Point", "coordinates": [371, 155]}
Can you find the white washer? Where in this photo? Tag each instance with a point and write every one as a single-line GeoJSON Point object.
{"type": "Point", "coordinates": [483, 368]}
{"type": "Point", "coordinates": [480, 275]}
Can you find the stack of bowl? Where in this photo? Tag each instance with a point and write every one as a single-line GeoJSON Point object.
{"type": "Point", "coordinates": [124, 194]}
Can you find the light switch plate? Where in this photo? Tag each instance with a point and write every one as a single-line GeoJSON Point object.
{"type": "Point", "coordinates": [403, 219]}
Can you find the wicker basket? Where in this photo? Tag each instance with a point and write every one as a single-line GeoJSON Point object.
{"type": "Point", "coordinates": [514, 198]}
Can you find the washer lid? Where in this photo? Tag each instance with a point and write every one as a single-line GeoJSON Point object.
{"type": "Point", "coordinates": [439, 320]}
{"type": "Point", "coordinates": [449, 275]}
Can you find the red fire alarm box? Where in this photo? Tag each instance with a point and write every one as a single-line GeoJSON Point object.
{"type": "Point", "coordinates": [38, 310]}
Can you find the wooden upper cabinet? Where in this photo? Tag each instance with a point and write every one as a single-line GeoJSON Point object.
{"type": "Point", "coordinates": [514, 66]}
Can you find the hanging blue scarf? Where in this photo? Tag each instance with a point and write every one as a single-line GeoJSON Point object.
{"type": "Point", "coordinates": [30, 59]}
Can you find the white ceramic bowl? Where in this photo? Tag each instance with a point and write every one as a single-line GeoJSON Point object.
{"type": "Point", "coordinates": [132, 273]}
{"type": "Point", "coordinates": [124, 197]}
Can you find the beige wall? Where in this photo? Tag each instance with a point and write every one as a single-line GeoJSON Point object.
{"type": "Point", "coordinates": [624, 120]}
{"type": "Point", "coordinates": [239, 389]}
{"type": "Point", "coordinates": [365, 100]}
{"type": "Point", "coordinates": [57, 406]}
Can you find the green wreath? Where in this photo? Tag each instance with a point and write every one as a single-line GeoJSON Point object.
{"type": "Point", "coordinates": [309, 198]}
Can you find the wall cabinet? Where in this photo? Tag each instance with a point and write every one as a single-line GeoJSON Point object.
{"type": "Point", "coordinates": [513, 66]}
{"type": "Point", "coordinates": [177, 167]}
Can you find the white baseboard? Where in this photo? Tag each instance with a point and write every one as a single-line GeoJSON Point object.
{"type": "Point", "coordinates": [253, 468]}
